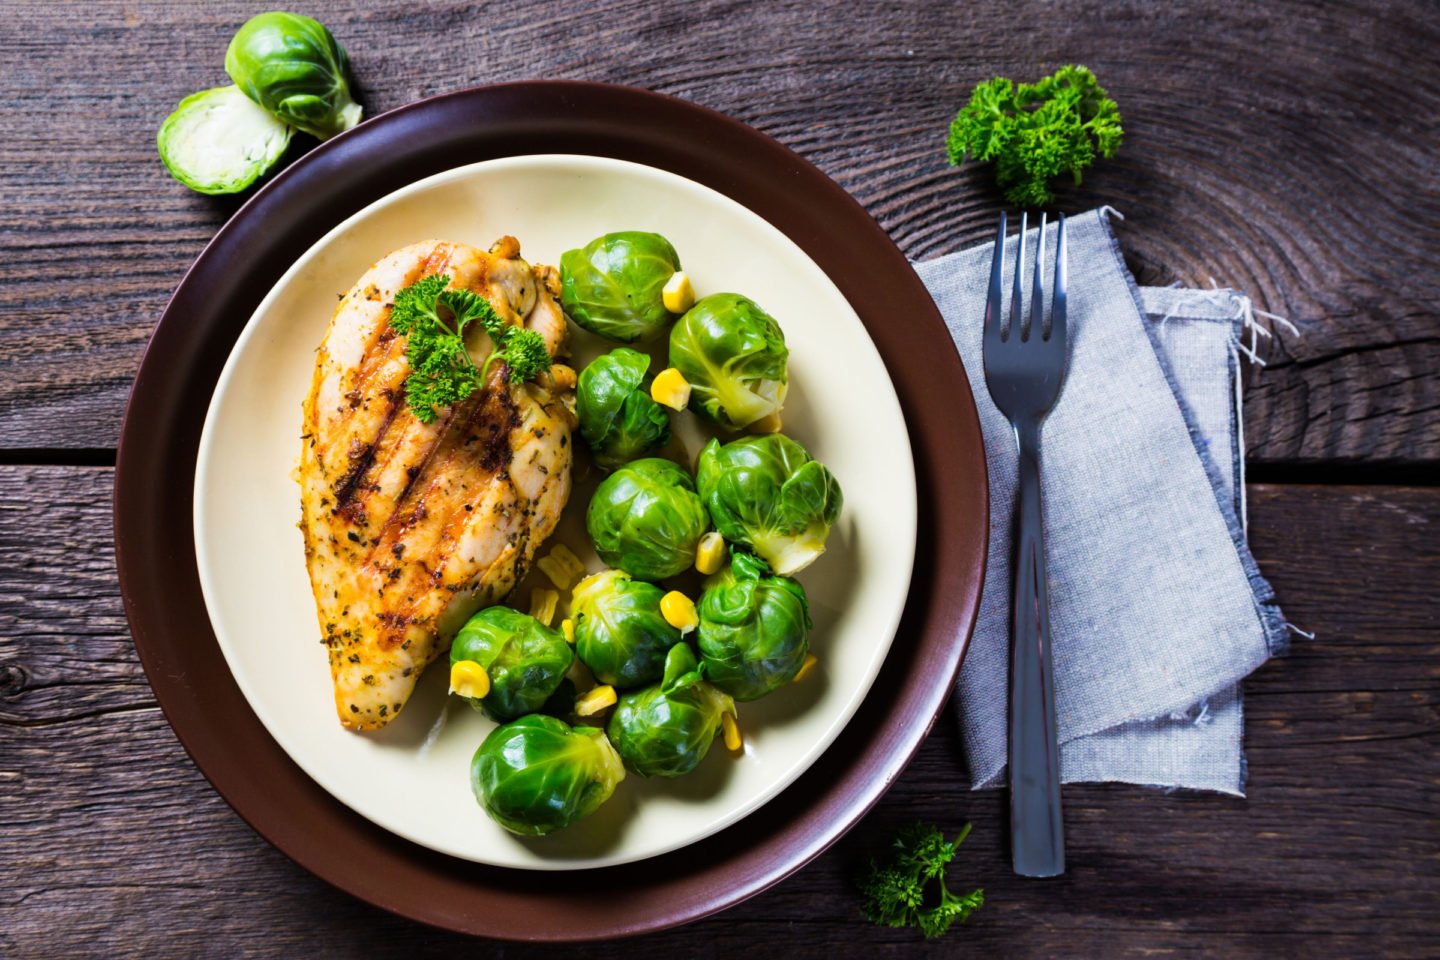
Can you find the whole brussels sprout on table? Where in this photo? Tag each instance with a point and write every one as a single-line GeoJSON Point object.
{"type": "Point", "coordinates": [292, 66]}
{"type": "Point", "coordinates": [618, 418]}
{"type": "Point", "coordinates": [766, 493]}
{"type": "Point", "coordinates": [754, 629]}
{"type": "Point", "coordinates": [538, 774]}
{"type": "Point", "coordinates": [666, 730]}
{"type": "Point", "coordinates": [614, 285]}
{"type": "Point", "coordinates": [647, 519]}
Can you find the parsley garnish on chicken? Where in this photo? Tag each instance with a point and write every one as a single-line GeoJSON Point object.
{"type": "Point", "coordinates": [434, 321]}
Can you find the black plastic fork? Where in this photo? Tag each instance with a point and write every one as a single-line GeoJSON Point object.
{"type": "Point", "coordinates": [1024, 369]}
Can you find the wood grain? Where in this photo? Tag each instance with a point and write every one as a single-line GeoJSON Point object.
{"type": "Point", "coordinates": [1289, 150]}
{"type": "Point", "coordinates": [111, 843]}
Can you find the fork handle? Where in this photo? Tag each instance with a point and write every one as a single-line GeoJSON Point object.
{"type": "Point", "coordinates": [1037, 842]}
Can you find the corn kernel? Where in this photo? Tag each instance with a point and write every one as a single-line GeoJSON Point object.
{"type": "Point", "coordinates": [567, 627]}
{"type": "Point", "coordinates": [671, 389]}
{"type": "Point", "coordinates": [469, 679]}
{"type": "Point", "coordinates": [572, 563]}
{"type": "Point", "coordinates": [561, 566]}
{"type": "Point", "coordinates": [805, 668]}
{"type": "Point", "coordinates": [555, 571]}
{"type": "Point", "coordinates": [678, 293]}
{"type": "Point", "coordinates": [733, 741]}
{"type": "Point", "coordinates": [770, 423]}
{"type": "Point", "coordinates": [594, 701]}
{"type": "Point", "coordinates": [543, 604]}
{"type": "Point", "coordinates": [679, 611]}
{"type": "Point", "coordinates": [710, 555]}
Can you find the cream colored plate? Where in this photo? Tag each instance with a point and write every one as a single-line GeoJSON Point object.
{"type": "Point", "coordinates": [413, 777]}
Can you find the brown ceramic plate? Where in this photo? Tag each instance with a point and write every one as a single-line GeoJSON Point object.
{"type": "Point", "coordinates": [155, 474]}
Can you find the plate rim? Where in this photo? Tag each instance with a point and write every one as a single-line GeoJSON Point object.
{"type": "Point", "coordinates": [154, 544]}
{"type": "Point", "coordinates": [894, 606]}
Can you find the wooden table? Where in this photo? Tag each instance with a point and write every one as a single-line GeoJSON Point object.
{"type": "Point", "coordinates": [1286, 149]}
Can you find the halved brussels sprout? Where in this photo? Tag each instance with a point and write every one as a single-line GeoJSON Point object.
{"type": "Point", "coordinates": [620, 633]}
{"type": "Point", "coordinates": [665, 730]}
{"type": "Point", "coordinates": [291, 65]}
{"type": "Point", "coordinates": [647, 520]}
{"type": "Point", "coordinates": [525, 660]}
{"type": "Point", "coordinates": [618, 418]}
{"type": "Point", "coordinates": [734, 356]}
{"type": "Point", "coordinates": [754, 629]}
{"type": "Point", "coordinates": [766, 493]}
{"type": "Point", "coordinates": [614, 285]}
{"type": "Point", "coordinates": [538, 774]}
{"type": "Point", "coordinates": [218, 141]}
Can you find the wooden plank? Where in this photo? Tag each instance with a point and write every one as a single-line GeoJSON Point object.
{"type": "Point", "coordinates": [111, 843]}
{"type": "Point", "coordinates": [1292, 155]}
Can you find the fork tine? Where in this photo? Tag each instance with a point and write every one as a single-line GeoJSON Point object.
{"type": "Point", "coordinates": [997, 270]}
{"type": "Point", "coordinates": [1015, 315]}
{"type": "Point", "coordinates": [1037, 287]}
{"type": "Point", "coordinates": [1062, 276]}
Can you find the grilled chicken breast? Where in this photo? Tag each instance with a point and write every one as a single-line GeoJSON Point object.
{"type": "Point", "coordinates": [410, 527]}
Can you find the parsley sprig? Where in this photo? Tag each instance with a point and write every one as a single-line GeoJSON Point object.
{"type": "Point", "coordinates": [433, 320]}
{"type": "Point", "coordinates": [909, 889]}
{"type": "Point", "coordinates": [1036, 131]}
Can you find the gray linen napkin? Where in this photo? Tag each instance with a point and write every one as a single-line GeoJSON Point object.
{"type": "Point", "coordinates": [1157, 609]}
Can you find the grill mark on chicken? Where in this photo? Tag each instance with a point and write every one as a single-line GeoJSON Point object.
{"type": "Point", "coordinates": [487, 411]}
{"type": "Point", "coordinates": [438, 259]}
{"type": "Point", "coordinates": [459, 422]}
{"type": "Point", "coordinates": [495, 412]}
{"type": "Point", "coordinates": [496, 450]}
{"type": "Point", "coordinates": [381, 354]}
{"type": "Point", "coordinates": [416, 470]}
{"type": "Point", "coordinates": [383, 350]}
{"type": "Point", "coordinates": [439, 491]}
{"type": "Point", "coordinates": [349, 485]}
{"type": "Point", "coordinates": [380, 350]}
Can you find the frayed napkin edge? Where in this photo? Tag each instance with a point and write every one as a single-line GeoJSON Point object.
{"type": "Point", "coordinates": [1273, 624]}
{"type": "Point", "coordinates": [996, 778]}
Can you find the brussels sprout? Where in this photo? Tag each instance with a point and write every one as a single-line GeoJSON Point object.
{"type": "Point", "coordinates": [647, 520]}
{"type": "Point", "coordinates": [613, 286]}
{"type": "Point", "coordinates": [293, 67]}
{"type": "Point", "coordinates": [525, 659]}
{"type": "Point", "coordinates": [754, 629]}
{"type": "Point", "coordinates": [767, 494]}
{"type": "Point", "coordinates": [620, 633]}
{"type": "Point", "coordinates": [618, 418]}
{"type": "Point", "coordinates": [217, 141]}
{"type": "Point", "coordinates": [734, 356]}
{"type": "Point", "coordinates": [665, 730]}
{"type": "Point", "coordinates": [538, 774]}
